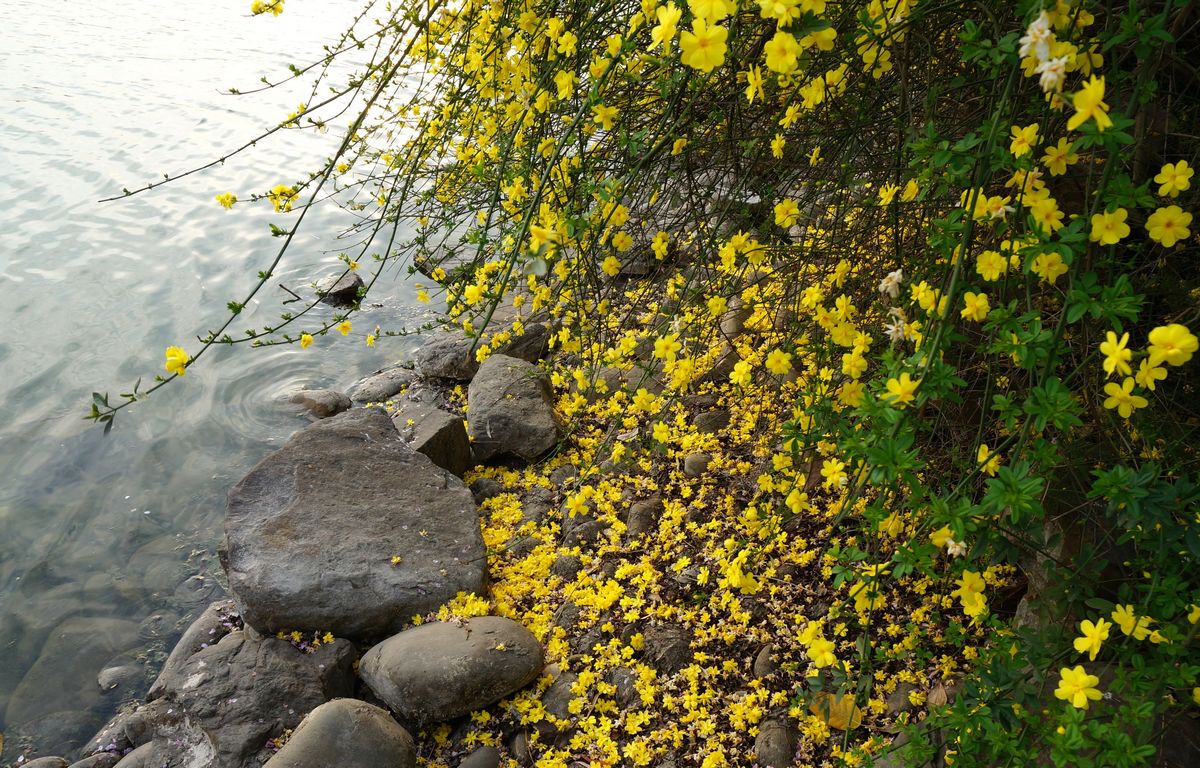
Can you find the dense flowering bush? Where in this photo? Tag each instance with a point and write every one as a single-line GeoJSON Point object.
{"type": "Point", "coordinates": [937, 260]}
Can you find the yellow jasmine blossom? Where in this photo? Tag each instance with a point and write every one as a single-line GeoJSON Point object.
{"type": "Point", "coordinates": [1057, 158]}
{"type": "Point", "coordinates": [711, 10]}
{"type": "Point", "coordinates": [1130, 623]}
{"type": "Point", "coordinates": [777, 145]}
{"type": "Point", "coordinates": [1116, 354]}
{"type": "Point", "coordinates": [226, 199]}
{"type": "Point", "coordinates": [344, 327]}
{"type": "Point", "coordinates": [1049, 267]}
{"type": "Point", "coordinates": [778, 362]}
{"type": "Point", "coordinates": [305, 340]}
{"type": "Point", "coordinates": [1121, 397]}
{"type": "Point", "coordinates": [781, 51]}
{"type": "Point", "coordinates": [901, 391]}
{"type": "Point", "coordinates": [664, 32]}
{"type": "Point", "coordinates": [990, 265]}
{"type": "Point", "coordinates": [976, 306]}
{"type": "Point", "coordinates": [990, 461]}
{"type": "Point", "coordinates": [1172, 344]}
{"type": "Point", "coordinates": [370, 339]}
{"type": "Point", "coordinates": [274, 7]}
{"type": "Point", "coordinates": [177, 360]}
{"type": "Point", "coordinates": [1169, 225]}
{"type": "Point", "coordinates": [611, 266]}
{"type": "Point", "coordinates": [1023, 139]}
{"type": "Point", "coordinates": [1149, 373]}
{"type": "Point", "coordinates": [754, 84]}
{"type": "Point", "coordinates": [814, 157]}
{"type": "Point", "coordinates": [1109, 227]}
{"type": "Point", "coordinates": [787, 213]}
{"type": "Point", "coordinates": [1089, 105]}
{"type": "Point", "coordinates": [1174, 178]}
{"type": "Point", "coordinates": [703, 48]}
{"type": "Point", "coordinates": [1093, 635]}
{"type": "Point", "coordinates": [941, 536]}
{"type": "Point", "coordinates": [1077, 687]}
{"type": "Point", "coordinates": [604, 116]}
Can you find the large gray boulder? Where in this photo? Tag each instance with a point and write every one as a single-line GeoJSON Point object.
{"type": "Point", "coordinates": [438, 434]}
{"type": "Point", "coordinates": [511, 410]}
{"type": "Point", "coordinates": [348, 734]}
{"type": "Point", "coordinates": [312, 533]}
{"type": "Point", "coordinates": [217, 702]}
{"type": "Point", "coordinates": [441, 670]}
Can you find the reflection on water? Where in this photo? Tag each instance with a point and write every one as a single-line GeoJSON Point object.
{"type": "Point", "coordinates": [106, 543]}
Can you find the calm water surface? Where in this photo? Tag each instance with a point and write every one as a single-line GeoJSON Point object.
{"type": "Point", "coordinates": [113, 537]}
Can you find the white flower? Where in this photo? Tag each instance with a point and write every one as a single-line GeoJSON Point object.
{"type": "Point", "coordinates": [955, 548]}
{"type": "Point", "coordinates": [890, 285]}
{"type": "Point", "coordinates": [895, 329]}
{"type": "Point", "coordinates": [1052, 72]}
{"type": "Point", "coordinates": [1037, 38]}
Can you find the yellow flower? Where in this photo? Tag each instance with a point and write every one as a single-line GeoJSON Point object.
{"type": "Point", "coordinates": [282, 196]}
{"type": "Point", "coordinates": [711, 10]}
{"type": "Point", "coordinates": [990, 462]}
{"type": "Point", "coordinates": [820, 651]}
{"type": "Point", "coordinates": [1122, 398]}
{"type": "Point", "coordinates": [1172, 344]}
{"type": "Point", "coordinates": [1093, 635]}
{"type": "Point", "coordinates": [754, 85]}
{"type": "Point", "coordinates": [787, 213]}
{"type": "Point", "coordinates": [814, 157]}
{"type": "Point", "coordinates": [778, 362]}
{"type": "Point", "coordinates": [1089, 104]}
{"type": "Point", "coordinates": [1023, 139]}
{"type": "Point", "coordinates": [990, 265]}
{"type": "Point", "coordinates": [344, 327]}
{"type": "Point", "coordinates": [622, 241]}
{"type": "Point", "coordinates": [1173, 179]}
{"type": "Point", "coordinates": [1077, 687]}
{"type": "Point", "coordinates": [1109, 227]}
{"type": "Point", "coordinates": [1169, 225]}
{"type": "Point", "coordinates": [370, 339]}
{"type": "Point", "coordinates": [887, 193]}
{"type": "Point", "coordinates": [664, 32]}
{"type": "Point", "coordinates": [777, 145]}
{"type": "Point", "coordinates": [703, 48]}
{"type": "Point", "coordinates": [1057, 158]}
{"type": "Point", "coordinates": [941, 536]}
{"type": "Point", "coordinates": [177, 360]}
{"type": "Point", "coordinates": [226, 199]}
{"type": "Point", "coordinates": [1116, 354]}
{"type": "Point", "coordinates": [976, 308]}
{"type": "Point", "coordinates": [274, 7]}
{"type": "Point", "coordinates": [1130, 623]}
{"type": "Point", "coordinates": [781, 51]}
{"type": "Point", "coordinates": [901, 391]}
{"type": "Point", "coordinates": [1149, 373]}
{"type": "Point", "coordinates": [611, 266]}
{"type": "Point", "coordinates": [604, 116]}
{"type": "Point", "coordinates": [305, 340]}
{"type": "Point", "coordinates": [1049, 267]}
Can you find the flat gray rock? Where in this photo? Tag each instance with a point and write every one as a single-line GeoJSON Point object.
{"type": "Point", "coordinates": [511, 410]}
{"type": "Point", "coordinates": [347, 733]}
{"type": "Point", "coordinates": [441, 670]}
{"type": "Point", "coordinates": [311, 532]}
{"type": "Point", "coordinates": [438, 434]}
{"type": "Point", "coordinates": [382, 385]}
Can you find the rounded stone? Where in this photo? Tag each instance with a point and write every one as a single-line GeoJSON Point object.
{"type": "Point", "coordinates": [349, 734]}
{"type": "Point", "coordinates": [441, 670]}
